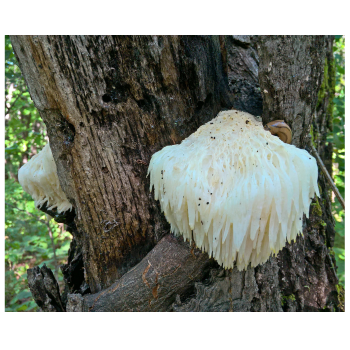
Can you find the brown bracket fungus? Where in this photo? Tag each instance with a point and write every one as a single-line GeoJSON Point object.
{"type": "Point", "coordinates": [235, 189]}
{"type": "Point", "coordinates": [280, 129]}
{"type": "Point", "coordinates": [39, 178]}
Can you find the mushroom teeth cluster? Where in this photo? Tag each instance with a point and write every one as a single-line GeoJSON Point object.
{"type": "Point", "coordinates": [39, 178]}
{"type": "Point", "coordinates": [239, 192]}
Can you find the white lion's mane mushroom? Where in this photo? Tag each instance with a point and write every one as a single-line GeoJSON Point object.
{"type": "Point", "coordinates": [239, 192]}
{"type": "Point", "coordinates": [39, 178]}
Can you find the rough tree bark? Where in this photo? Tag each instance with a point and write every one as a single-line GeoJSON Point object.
{"type": "Point", "coordinates": [110, 102]}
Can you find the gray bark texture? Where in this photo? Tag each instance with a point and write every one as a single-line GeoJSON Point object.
{"type": "Point", "coordinates": [111, 102]}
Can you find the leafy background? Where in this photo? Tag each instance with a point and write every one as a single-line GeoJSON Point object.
{"type": "Point", "coordinates": [338, 139]}
{"type": "Point", "coordinates": [32, 238]}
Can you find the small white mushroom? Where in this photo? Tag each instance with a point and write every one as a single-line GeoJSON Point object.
{"type": "Point", "coordinates": [39, 178]}
{"type": "Point", "coordinates": [236, 189]}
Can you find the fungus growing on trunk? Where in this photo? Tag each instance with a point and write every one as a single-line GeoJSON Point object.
{"type": "Point", "coordinates": [235, 189]}
{"type": "Point", "coordinates": [39, 178]}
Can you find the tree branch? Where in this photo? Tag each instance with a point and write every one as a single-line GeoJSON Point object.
{"type": "Point", "coordinates": [53, 246]}
{"type": "Point", "coordinates": [44, 288]}
{"type": "Point", "coordinates": [168, 272]}
{"type": "Point", "coordinates": [327, 176]}
{"type": "Point", "coordinates": [8, 109]}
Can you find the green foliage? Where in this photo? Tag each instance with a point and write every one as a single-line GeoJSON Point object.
{"type": "Point", "coordinates": [316, 208]}
{"type": "Point", "coordinates": [285, 298]}
{"type": "Point", "coordinates": [338, 140]}
{"type": "Point", "coordinates": [27, 239]}
{"type": "Point", "coordinates": [27, 244]}
{"type": "Point", "coordinates": [25, 131]}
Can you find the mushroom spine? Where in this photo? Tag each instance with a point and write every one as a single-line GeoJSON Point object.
{"type": "Point", "coordinates": [239, 191]}
{"type": "Point", "coordinates": [39, 178]}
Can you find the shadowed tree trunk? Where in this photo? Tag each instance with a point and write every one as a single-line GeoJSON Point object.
{"type": "Point", "coordinates": [111, 102]}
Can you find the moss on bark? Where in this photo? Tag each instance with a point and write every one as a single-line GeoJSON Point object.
{"type": "Point", "coordinates": [327, 90]}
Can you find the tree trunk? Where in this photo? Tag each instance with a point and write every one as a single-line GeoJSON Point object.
{"type": "Point", "coordinates": [111, 102]}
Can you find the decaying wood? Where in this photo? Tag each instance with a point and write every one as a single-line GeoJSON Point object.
{"type": "Point", "coordinates": [243, 65]}
{"type": "Point", "coordinates": [109, 103]}
{"type": "Point", "coordinates": [45, 290]}
{"type": "Point", "coordinates": [170, 270]}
